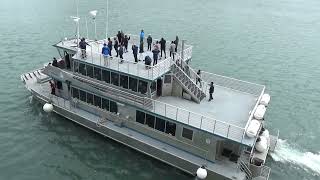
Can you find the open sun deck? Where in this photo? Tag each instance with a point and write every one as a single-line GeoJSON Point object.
{"type": "Point", "coordinates": [128, 65]}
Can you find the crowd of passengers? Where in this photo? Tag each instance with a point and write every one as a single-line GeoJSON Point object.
{"type": "Point", "coordinates": [120, 45]}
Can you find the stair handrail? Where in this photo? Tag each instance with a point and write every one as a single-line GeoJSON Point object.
{"type": "Point", "coordinates": [244, 168]}
{"type": "Point", "coordinates": [204, 88]}
{"type": "Point", "coordinates": [188, 78]}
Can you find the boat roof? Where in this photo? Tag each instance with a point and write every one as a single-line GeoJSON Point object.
{"type": "Point", "coordinates": [128, 66]}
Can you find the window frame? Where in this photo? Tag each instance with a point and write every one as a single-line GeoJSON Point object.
{"type": "Point", "coordinates": [187, 129]}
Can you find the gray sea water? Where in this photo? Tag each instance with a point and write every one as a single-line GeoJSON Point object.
{"type": "Point", "coordinates": [272, 42]}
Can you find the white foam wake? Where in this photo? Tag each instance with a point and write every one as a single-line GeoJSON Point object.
{"type": "Point", "coordinates": [306, 160]}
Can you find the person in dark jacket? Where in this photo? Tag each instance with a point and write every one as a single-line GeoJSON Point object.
{"type": "Point", "coordinates": [67, 59]}
{"type": "Point", "coordinates": [53, 88]}
{"type": "Point", "coordinates": [149, 41]}
{"type": "Point", "coordinates": [55, 62]}
{"type": "Point", "coordinates": [83, 46]}
{"type": "Point", "coordinates": [110, 46]}
{"type": "Point", "coordinates": [116, 46]}
{"type": "Point", "coordinates": [126, 42]}
{"type": "Point", "coordinates": [211, 91]}
{"type": "Point", "coordinates": [177, 43]}
{"type": "Point", "coordinates": [155, 56]}
{"type": "Point", "coordinates": [135, 52]}
{"type": "Point", "coordinates": [198, 79]}
{"type": "Point", "coordinates": [119, 37]}
{"type": "Point", "coordinates": [163, 47]}
{"type": "Point", "coordinates": [121, 50]}
{"type": "Point", "coordinates": [147, 61]}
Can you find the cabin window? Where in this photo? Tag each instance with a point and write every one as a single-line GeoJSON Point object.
{"type": "Point", "coordinates": [113, 107]}
{"type": "Point", "coordinates": [83, 96]}
{"type": "Point", "coordinates": [105, 104]}
{"type": "Point", "coordinates": [89, 71]}
{"type": "Point", "coordinates": [97, 101]}
{"type": "Point", "coordinates": [75, 93]}
{"type": "Point", "coordinates": [75, 66]}
{"type": "Point", "coordinates": [160, 124]}
{"type": "Point", "coordinates": [153, 86]}
{"type": "Point", "coordinates": [97, 73]}
{"type": "Point", "coordinates": [115, 78]}
{"type": "Point", "coordinates": [106, 76]}
{"type": "Point", "coordinates": [167, 79]}
{"type": "Point", "coordinates": [142, 88]}
{"type": "Point", "coordinates": [150, 120]}
{"type": "Point", "coordinates": [171, 128]}
{"type": "Point", "coordinates": [187, 133]}
{"type": "Point", "coordinates": [124, 81]}
{"type": "Point", "coordinates": [82, 69]}
{"type": "Point", "coordinates": [89, 98]}
{"type": "Point", "coordinates": [140, 116]}
{"type": "Point", "coordinates": [133, 84]}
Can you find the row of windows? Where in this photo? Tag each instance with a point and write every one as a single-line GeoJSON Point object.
{"type": "Point", "coordinates": [161, 125]}
{"type": "Point", "coordinates": [94, 100]}
{"type": "Point", "coordinates": [113, 78]}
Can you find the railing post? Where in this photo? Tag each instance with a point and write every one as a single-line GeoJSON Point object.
{"type": "Point", "coordinates": [177, 114]}
{"type": "Point", "coordinates": [189, 119]}
{"type": "Point", "coordinates": [228, 130]}
{"type": "Point", "coordinates": [214, 126]}
{"type": "Point", "coordinates": [165, 110]}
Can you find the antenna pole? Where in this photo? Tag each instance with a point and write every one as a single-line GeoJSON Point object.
{"type": "Point", "coordinates": [87, 27]}
{"type": "Point", "coordinates": [107, 23]}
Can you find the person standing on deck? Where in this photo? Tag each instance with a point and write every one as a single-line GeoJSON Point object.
{"type": "Point", "coordinates": [121, 50]}
{"type": "Point", "coordinates": [110, 46]}
{"type": "Point", "coordinates": [135, 52]}
{"type": "Point", "coordinates": [83, 46]}
{"type": "Point", "coordinates": [149, 41]}
{"type": "Point", "coordinates": [126, 42]}
{"type": "Point", "coordinates": [172, 49]}
{"type": "Point", "coordinates": [141, 51]}
{"type": "Point", "coordinates": [155, 56]}
{"type": "Point", "coordinates": [141, 36]}
{"type": "Point", "coordinates": [105, 53]}
{"type": "Point", "coordinates": [119, 37]}
{"type": "Point", "coordinates": [116, 46]}
{"type": "Point", "coordinates": [198, 79]}
{"type": "Point", "coordinates": [163, 47]}
{"type": "Point", "coordinates": [53, 88]}
{"type": "Point", "coordinates": [177, 43]}
{"type": "Point", "coordinates": [211, 90]}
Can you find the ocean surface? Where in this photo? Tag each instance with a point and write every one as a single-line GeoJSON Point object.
{"type": "Point", "coordinates": [271, 42]}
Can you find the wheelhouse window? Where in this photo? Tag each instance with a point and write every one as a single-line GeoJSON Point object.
{"type": "Point", "coordinates": [105, 104]}
{"type": "Point", "coordinates": [140, 117]}
{"type": "Point", "coordinates": [115, 78]}
{"type": "Point", "coordinates": [113, 107]}
{"type": "Point", "coordinates": [82, 69]}
{"type": "Point", "coordinates": [160, 124]}
{"type": "Point", "coordinates": [75, 93]}
{"type": "Point", "coordinates": [171, 128]}
{"type": "Point", "coordinates": [124, 81]}
{"type": "Point", "coordinates": [133, 84]}
{"type": "Point", "coordinates": [83, 96]}
{"type": "Point", "coordinates": [106, 76]}
{"type": "Point", "coordinates": [97, 73]}
{"type": "Point", "coordinates": [187, 133]}
{"type": "Point", "coordinates": [97, 101]}
{"type": "Point", "coordinates": [142, 88]}
{"type": "Point", "coordinates": [89, 98]}
{"type": "Point", "coordinates": [89, 71]}
{"type": "Point", "coordinates": [150, 120]}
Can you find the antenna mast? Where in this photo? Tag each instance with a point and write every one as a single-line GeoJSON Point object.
{"type": "Point", "coordinates": [107, 23]}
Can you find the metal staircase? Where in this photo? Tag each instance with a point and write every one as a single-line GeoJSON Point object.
{"type": "Point", "coordinates": [188, 84]}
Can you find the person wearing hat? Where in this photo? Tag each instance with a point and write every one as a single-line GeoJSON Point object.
{"type": "Point", "coordinates": [83, 46]}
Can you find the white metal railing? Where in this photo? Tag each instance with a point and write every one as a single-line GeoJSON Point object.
{"type": "Point", "coordinates": [235, 84]}
{"type": "Point", "coordinates": [198, 121]}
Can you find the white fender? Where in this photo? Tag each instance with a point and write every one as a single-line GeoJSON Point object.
{"type": "Point", "coordinates": [253, 128]}
{"type": "Point", "coordinates": [262, 145]}
{"type": "Point", "coordinates": [202, 173]}
{"type": "Point", "coordinates": [47, 107]}
{"type": "Point", "coordinates": [265, 99]}
{"type": "Point", "coordinates": [260, 111]}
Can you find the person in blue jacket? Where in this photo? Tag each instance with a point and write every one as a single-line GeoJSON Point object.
{"type": "Point", "coordinates": [141, 36]}
{"type": "Point", "coordinates": [105, 52]}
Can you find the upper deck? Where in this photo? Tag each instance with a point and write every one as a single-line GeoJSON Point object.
{"type": "Point", "coordinates": [128, 66]}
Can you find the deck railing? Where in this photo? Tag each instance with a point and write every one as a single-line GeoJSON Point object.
{"type": "Point", "coordinates": [196, 120]}
{"type": "Point", "coordinates": [235, 84]}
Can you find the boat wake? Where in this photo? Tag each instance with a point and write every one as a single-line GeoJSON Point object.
{"type": "Point", "coordinates": [308, 161]}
